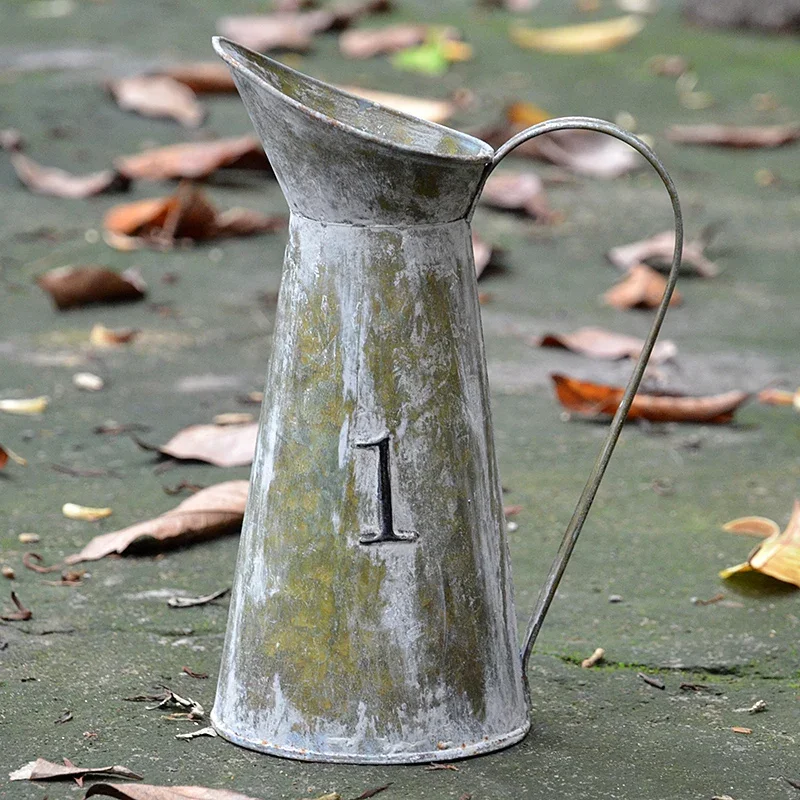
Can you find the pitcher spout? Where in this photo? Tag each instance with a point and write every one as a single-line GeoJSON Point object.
{"type": "Point", "coordinates": [342, 159]}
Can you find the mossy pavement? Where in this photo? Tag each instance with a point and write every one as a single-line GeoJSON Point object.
{"type": "Point", "coordinates": [600, 733]}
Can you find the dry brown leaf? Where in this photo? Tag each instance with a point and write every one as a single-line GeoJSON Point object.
{"type": "Point", "coordinates": [221, 445]}
{"type": "Point", "coordinates": [593, 399]}
{"type": "Point", "coordinates": [143, 791]}
{"type": "Point", "coordinates": [72, 286]}
{"type": "Point", "coordinates": [780, 397]}
{"type": "Point", "coordinates": [733, 136]}
{"type": "Point", "coordinates": [202, 77]}
{"type": "Point", "coordinates": [187, 214]}
{"type": "Point", "coordinates": [20, 615]}
{"type": "Point", "coordinates": [740, 729]}
{"type": "Point", "coordinates": [425, 108]}
{"type": "Point", "coordinates": [482, 253]}
{"type": "Point", "coordinates": [371, 42]}
{"type": "Point", "coordinates": [278, 31]}
{"type": "Point", "coordinates": [43, 770]}
{"type": "Point", "coordinates": [603, 344]}
{"type": "Point", "coordinates": [35, 563]}
{"type": "Point", "coordinates": [103, 337]}
{"type": "Point", "coordinates": [592, 37]}
{"type": "Point", "coordinates": [668, 66]}
{"type": "Point", "coordinates": [753, 526]}
{"type": "Point", "coordinates": [518, 191]}
{"type": "Point", "coordinates": [582, 152]}
{"type": "Point", "coordinates": [211, 512]}
{"type": "Point", "coordinates": [190, 602]}
{"type": "Point", "coordinates": [27, 406]}
{"type": "Point", "coordinates": [778, 555]}
{"type": "Point", "coordinates": [642, 287]}
{"type": "Point", "coordinates": [57, 182]}
{"type": "Point", "coordinates": [233, 418]}
{"type": "Point", "coordinates": [86, 513]}
{"type": "Point", "coordinates": [657, 250]}
{"type": "Point", "coordinates": [195, 160]}
{"type": "Point", "coordinates": [158, 96]}
{"type": "Point", "coordinates": [7, 454]}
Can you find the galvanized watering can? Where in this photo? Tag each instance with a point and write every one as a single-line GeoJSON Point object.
{"type": "Point", "coordinates": [372, 618]}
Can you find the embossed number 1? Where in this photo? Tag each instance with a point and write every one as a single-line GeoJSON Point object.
{"type": "Point", "coordinates": [387, 533]}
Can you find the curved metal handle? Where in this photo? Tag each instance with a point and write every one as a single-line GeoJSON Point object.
{"type": "Point", "coordinates": [598, 470]}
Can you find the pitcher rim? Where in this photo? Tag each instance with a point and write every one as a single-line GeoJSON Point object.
{"type": "Point", "coordinates": [222, 45]}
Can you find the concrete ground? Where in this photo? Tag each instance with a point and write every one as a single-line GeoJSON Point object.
{"type": "Point", "coordinates": [599, 733]}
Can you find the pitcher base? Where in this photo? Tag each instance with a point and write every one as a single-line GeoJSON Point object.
{"type": "Point", "coordinates": [446, 754]}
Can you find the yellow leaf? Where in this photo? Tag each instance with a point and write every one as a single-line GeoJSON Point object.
{"type": "Point", "coordinates": [592, 37]}
{"type": "Point", "coordinates": [526, 114]}
{"type": "Point", "coordinates": [74, 511]}
{"type": "Point", "coordinates": [34, 405]}
{"type": "Point", "coordinates": [778, 556]}
{"type": "Point", "coordinates": [455, 50]}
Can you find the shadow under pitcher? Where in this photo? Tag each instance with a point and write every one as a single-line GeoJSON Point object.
{"type": "Point", "coordinates": [372, 616]}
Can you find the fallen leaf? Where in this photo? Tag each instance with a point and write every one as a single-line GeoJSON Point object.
{"type": "Point", "coordinates": [31, 406]}
{"type": "Point", "coordinates": [592, 399]}
{"type": "Point", "coordinates": [10, 139]}
{"type": "Point", "coordinates": [642, 287]}
{"type": "Point", "coordinates": [187, 214]}
{"type": "Point", "coordinates": [158, 96]}
{"type": "Point", "coordinates": [43, 770]}
{"type": "Point", "coordinates": [88, 382]}
{"type": "Point", "coordinates": [20, 615]}
{"type": "Point", "coordinates": [221, 445]}
{"type": "Point", "coordinates": [370, 42]}
{"type": "Point", "coordinates": [189, 602]}
{"type": "Point", "coordinates": [233, 418]}
{"type": "Point", "coordinates": [35, 563]}
{"type": "Point", "coordinates": [757, 708]}
{"type": "Point", "coordinates": [778, 555]}
{"type": "Point", "coordinates": [780, 397]}
{"type": "Point", "coordinates": [71, 286]}
{"type": "Point", "coordinates": [740, 729]}
{"type": "Point", "coordinates": [733, 136]}
{"type": "Point", "coordinates": [194, 734]}
{"type": "Point", "coordinates": [277, 31]}
{"type": "Point", "coordinates": [195, 160]}
{"type": "Point", "coordinates": [668, 66]}
{"type": "Point", "coordinates": [372, 792]}
{"type": "Point", "coordinates": [202, 77]}
{"type": "Point", "coordinates": [595, 658]}
{"type": "Point", "coordinates": [435, 54]}
{"type": "Point", "coordinates": [753, 526]}
{"type": "Point", "coordinates": [602, 344]}
{"type": "Point", "coordinates": [592, 37]}
{"type": "Point", "coordinates": [169, 698]}
{"type": "Point", "coordinates": [87, 513]}
{"type": "Point", "coordinates": [517, 6]}
{"type": "Point", "coordinates": [65, 717]}
{"type": "Point", "coordinates": [145, 791]}
{"type": "Point", "coordinates": [657, 250]}
{"type": "Point", "coordinates": [518, 191]}
{"type": "Point", "coordinates": [582, 152]}
{"type": "Point", "coordinates": [100, 336]}
{"type": "Point", "coordinates": [28, 538]}
{"type": "Point", "coordinates": [8, 572]}
{"type": "Point", "coordinates": [210, 513]}
{"type": "Point", "coordinates": [57, 182]}
{"type": "Point", "coordinates": [425, 108]}
{"type": "Point", "coordinates": [482, 253]}
{"type": "Point", "coordinates": [7, 454]}
{"type": "Point", "coordinates": [192, 674]}
{"type": "Point", "coordinates": [651, 681]}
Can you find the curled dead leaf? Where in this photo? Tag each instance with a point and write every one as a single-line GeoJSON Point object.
{"type": "Point", "coordinates": [43, 770]}
{"type": "Point", "coordinates": [190, 602]}
{"type": "Point", "coordinates": [656, 251]}
{"type": "Point", "coordinates": [370, 42]}
{"type": "Point", "coordinates": [753, 526]}
{"type": "Point", "coordinates": [187, 214]}
{"type": "Point", "coordinates": [780, 397]}
{"type": "Point", "coordinates": [158, 96]}
{"type": "Point", "coordinates": [602, 344]}
{"type": "Point", "coordinates": [195, 160]}
{"type": "Point", "coordinates": [32, 406]}
{"type": "Point", "coordinates": [105, 338]}
{"type": "Point", "coordinates": [57, 182]}
{"type": "Point", "coordinates": [20, 615]}
{"type": "Point", "coordinates": [35, 563]}
{"type": "Point", "coordinates": [7, 454]}
{"type": "Point", "coordinates": [143, 791]}
{"type": "Point", "coordinates": [86, 513]}
{"type": "Point", "coordinates": [642, 287]}
{"type": "Point", "coordinates": [591, 37]}
{"type": "Point", "coordinates": [72, 286]}
{"type": "Point", "coordinates": [593, 400]}
{"type": "Point", "coordinates": [202, 77]}
{"type": "Point", "coordinates": [518, 191]}
{"type": "Point", "coordinates": [209, 513]}
{"type": "Point", "coordinates": [221, 445]}
{"type": "Point", "coordinates": [733, 136]}
{"type": "Point", "coordinates": [778, 555]}
{"type": "Point", "coordinates": [425, 108]}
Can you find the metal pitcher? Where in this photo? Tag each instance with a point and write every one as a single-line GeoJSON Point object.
{"type": "Point", "coordinates": [372, 618]}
